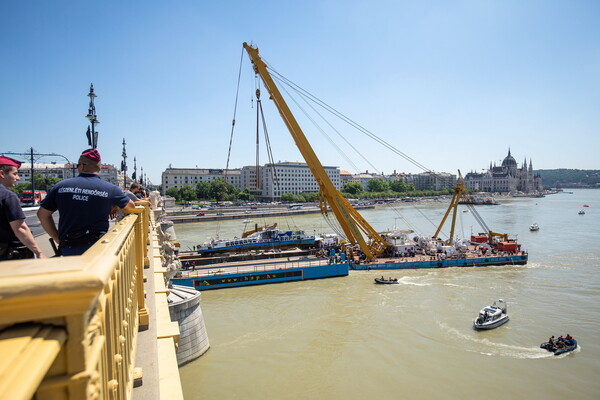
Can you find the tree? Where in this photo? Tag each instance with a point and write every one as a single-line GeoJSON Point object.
{"type": "Point", "coordinates": [309, 196]}
{"type": "Point", "coordinates": [219, 189]}
{"type": "Point", "coordinates": [399, 186]}
{"type": "Point", "coordinates": [377, 185]}
{"type": "Point", "coordinates": [352, 188]}
{"type": "Point", "coordinates": [187, 193]}
{"type": "Point", "coordinates": [245, 195]}
{"type": "Point", "coordinates": [45, 182]}
{"type": "Point", "coordinates": [19, 187]}
{"type": "Point", "coordinates": [289, 197]}
{"type": "Point", "coordinates": [203, 190]}
{"type": "Point", "coordinates": [174, 192]}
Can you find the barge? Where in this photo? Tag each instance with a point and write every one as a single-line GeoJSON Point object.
{"type": "Point", "coordinates": [219, 276]}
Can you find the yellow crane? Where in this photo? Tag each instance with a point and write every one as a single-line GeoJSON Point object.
{"type": "Point", "coordinates": [351, 222]}
{"type": "Point", "coordinates": [458, 191]}
{"type": "Point", "coordinates": [456, 197]}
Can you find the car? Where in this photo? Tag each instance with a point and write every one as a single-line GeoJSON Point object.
{"type": "Point", "coordinates": [200, 214]}
{"type": "Point", "coordinates": [195, 206]}
{"type": "Point", "coordinates": [220, 213]}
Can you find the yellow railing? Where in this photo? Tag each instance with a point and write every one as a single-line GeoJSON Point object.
{"type": "Point", "coordinates": [69, 325]}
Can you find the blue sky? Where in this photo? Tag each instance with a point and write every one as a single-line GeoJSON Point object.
{"type": "Point", "coordinates": [452, 84]}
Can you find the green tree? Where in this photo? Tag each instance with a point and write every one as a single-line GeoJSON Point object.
{"type": "Point", "coordinates": [45, 182]}
{"type": "Point", "coordinates": [289, 197]}
{"type": "Point", "coordinates": [352, 187]}
{"type": "Point", "coordinates": [19, 187]}
{"type": "Point", "coordinates": [187, 193]}
{"type": "Point", "coordinates": [203, 190]}
{"type": "Point", "coordinates": [377, 185]}
{"type": "Point", "coordinates": [245, 195]}
{"type": "Point", "coordinates": [399, 186]}
{"type": "Point", "coordinates": [309, 196]}
{"type": "Point", "coordinates": [174, 192]}
{"type": "Point", "coordinates": [219, 189]}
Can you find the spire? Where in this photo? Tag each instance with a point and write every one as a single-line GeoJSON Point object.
{"type": "Point", "coordinates": [508, 151]}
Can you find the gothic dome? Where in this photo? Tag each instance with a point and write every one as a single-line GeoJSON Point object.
{"type": "Point", "coordinates": [509, 162]}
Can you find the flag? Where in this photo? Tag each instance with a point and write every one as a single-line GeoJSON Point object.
{"type": "Point", "coordinates": [89, 137]}
{"type": "Point", "coordinates": [122, 166]}
{"type": "Point", "coordinates": [133, 176]}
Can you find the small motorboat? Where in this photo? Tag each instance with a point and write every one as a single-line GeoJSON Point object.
{"type": "Point", "coordinates": [491, 317]}
{"type": "Point", "coordinates": [560, 345]}
{"type": "Point", "coordinates": [534, 227]}
{"type": "Point", "coordinates": [383, 281]}
{"type": "Point", "coordinates": [585, 205]}
{"type": "Point", "coordinates": [581, 212]}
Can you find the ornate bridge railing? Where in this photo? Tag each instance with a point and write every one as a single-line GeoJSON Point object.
{"type": "Point", "coordinates": [69, 325]}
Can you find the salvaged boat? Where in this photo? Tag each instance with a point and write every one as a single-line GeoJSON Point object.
{"type": "Point", "coordinates": [269, 237]}
{"type": "Point", "coordinates": [560, 345]}
{"type": "Point", "coordinates": [491, 317]}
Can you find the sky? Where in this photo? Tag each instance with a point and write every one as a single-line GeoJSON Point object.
{"type": "Point", "coordinates": [451, 84]}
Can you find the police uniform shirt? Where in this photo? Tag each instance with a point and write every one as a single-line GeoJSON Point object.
{"type": "Point", "coordinates": [11, 211]}
{"type": "Point", "coordinates": [84, 203]}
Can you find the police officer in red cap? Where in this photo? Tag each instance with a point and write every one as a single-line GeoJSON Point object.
{"type": "Point", "coordinates": [16, 240]}
{"type": "Point", "coordinates": [84, 204]}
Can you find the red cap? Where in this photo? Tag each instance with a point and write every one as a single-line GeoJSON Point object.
{"type": "Point", "coordinates": [9, 161]}
{"type": "Point", "coordinates": [92, 154]}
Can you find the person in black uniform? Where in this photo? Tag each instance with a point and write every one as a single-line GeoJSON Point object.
{"type": "Point", "coordinates": [16, 240]}
{"type": "Point", "coordinates": [84, 204]}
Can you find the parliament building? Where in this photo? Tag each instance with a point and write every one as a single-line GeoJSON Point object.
{"type": "Point", "coordinates": [506, 178]}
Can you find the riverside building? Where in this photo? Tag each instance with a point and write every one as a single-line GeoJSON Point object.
{"type": "Point", "coordinates": [506, 178]}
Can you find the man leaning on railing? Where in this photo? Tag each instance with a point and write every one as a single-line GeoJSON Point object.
{"type": "Point", "coordinates": [84, 204]}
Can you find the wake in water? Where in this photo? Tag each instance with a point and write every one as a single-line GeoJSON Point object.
{"type": "Point", "coordinates": [486, 347]}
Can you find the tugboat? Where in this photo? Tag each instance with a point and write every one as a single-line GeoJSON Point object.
{"type": "Point", "coordinates": [491, 317]}
{"type": "Point", "coordinates": [560, 345]}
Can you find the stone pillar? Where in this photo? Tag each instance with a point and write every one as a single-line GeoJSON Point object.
{"type": "Point", "coordinates": [184, 307]}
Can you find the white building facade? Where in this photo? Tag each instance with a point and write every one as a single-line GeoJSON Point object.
{"type": "Point", "coordinates": [294, 178]}
{"type": "Point", "coordinates": [179, 177]}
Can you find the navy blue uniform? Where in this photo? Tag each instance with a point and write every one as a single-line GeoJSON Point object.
{"type": "Point", "coordinates": [83, 203]}
{"type": "Point", "coordinates": [10, 211]}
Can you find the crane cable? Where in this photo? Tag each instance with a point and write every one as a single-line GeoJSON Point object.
{"type": "Point", "coordinates": [237, 93]}
{"type": "Point", "coordinates": [334, 145]}
{"type": "Point", "coordinates": [350, 121]}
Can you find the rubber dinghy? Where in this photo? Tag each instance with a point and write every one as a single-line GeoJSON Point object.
{"type": "Point", "coordinates": [383, 281]}
{"type": "Point", "coordinates": [558, 349]}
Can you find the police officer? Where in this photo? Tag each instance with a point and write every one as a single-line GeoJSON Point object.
{"type": "Point", "coordinates": [16, 240]}
{"type": "Point", "coordinates": [84, 204]}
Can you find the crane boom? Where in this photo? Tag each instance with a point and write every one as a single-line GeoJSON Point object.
{"type": "Point", "coordinates": [458, 190]}
{"type": "Point", "coordinates": [351, 222]}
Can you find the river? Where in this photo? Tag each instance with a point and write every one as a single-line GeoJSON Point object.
{"type": "Point", "coordinates": [347, 338]}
